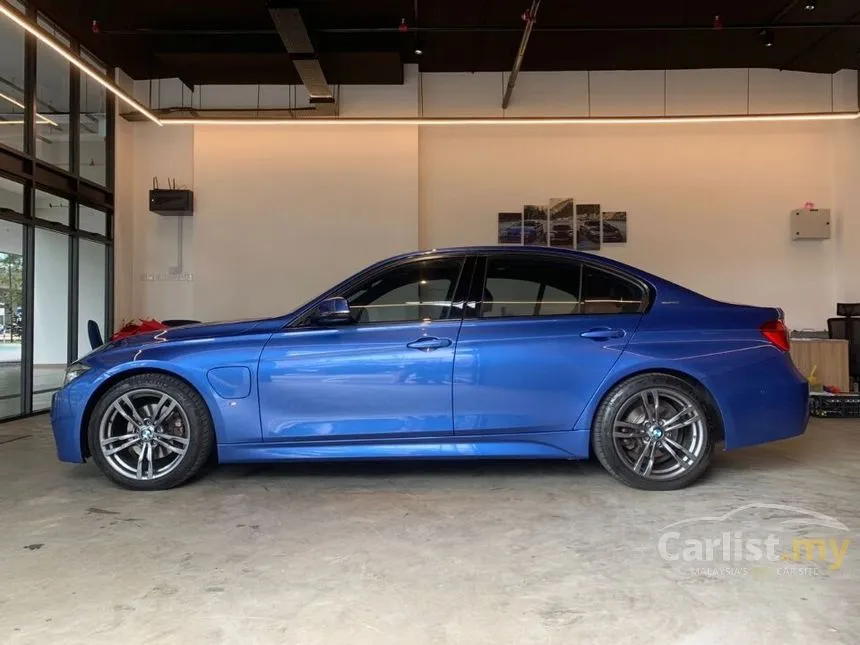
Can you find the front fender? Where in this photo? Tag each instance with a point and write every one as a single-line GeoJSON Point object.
{"type": "Point", "coordinates": [235, 412]}
{"type": "Point", "coordinates": [235, 419]}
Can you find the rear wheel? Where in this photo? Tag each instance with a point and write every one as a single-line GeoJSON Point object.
{"type": "Point", "coordinates": [150, 432]}
{"type": "Point", "coordinates": [652, 432]}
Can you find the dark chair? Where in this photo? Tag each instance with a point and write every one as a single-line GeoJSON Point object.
{"type": "Point", "coordinates": [94, 334]}
{"type": "Point", "coordinates": [847, 328]}
{"type": "Point", "coordinates": [179, 322]}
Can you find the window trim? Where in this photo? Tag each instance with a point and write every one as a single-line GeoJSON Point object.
{"type": "Point", "coordinates": [302, 322]}
{"type": "Point", "coordinates": [476, 291]}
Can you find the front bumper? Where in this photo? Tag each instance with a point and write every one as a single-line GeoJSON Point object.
{"type": "Point", "coordinates": [65, 423]}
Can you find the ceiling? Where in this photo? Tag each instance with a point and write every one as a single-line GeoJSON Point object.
{"type": "Point", "coordinates": [362, 42]}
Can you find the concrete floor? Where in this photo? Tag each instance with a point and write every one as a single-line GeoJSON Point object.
{"type": "Point", "coordinates": [466, 553]}
{"type": "Point", "coordinates": [46, 380]}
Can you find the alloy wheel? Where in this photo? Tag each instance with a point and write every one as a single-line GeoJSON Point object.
{"type": "Point", "coordinates": [144, 434]}
{"type": "Point", "coordinates": [660, 434]}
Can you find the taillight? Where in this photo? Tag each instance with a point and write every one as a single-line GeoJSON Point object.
{"type": "Point", "coordinates": [777, 334]}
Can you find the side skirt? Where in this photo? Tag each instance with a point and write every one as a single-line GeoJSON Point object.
{"type": "Point", "coordinates": [553, 445]}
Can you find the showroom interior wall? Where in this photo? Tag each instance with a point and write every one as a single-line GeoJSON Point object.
{"type": "Point", "coordinates": [283, 212]}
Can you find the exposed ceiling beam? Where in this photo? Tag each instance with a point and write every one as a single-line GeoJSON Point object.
{"type": "Point", "coordinates": [530, 17]}
{"type": "Point", "coordinates": [291, 28]}
{"type": "Point", "coordinates": [771, 24]}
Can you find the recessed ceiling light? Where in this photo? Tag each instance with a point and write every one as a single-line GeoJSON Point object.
{"type": "Point", "coordinates": [767, 37]}
{"type": "Point", "coordinates": [810, 5]}
{"type": "Point", "coordinates": [418, 52]}
{"type": "Point", "coordinates": [76, 61]}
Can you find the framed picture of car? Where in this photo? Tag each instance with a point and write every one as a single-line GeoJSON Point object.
{"type": "Point", "coordinates": [510, 228]}
{"type": "Point", "coordinates": [535, 223]}
{"type": "Point", "coordinates": [588, 227]}
{"type": "Point", "coordinates": [561, 220]}
{"type": "Point", "coordinates": [614, 227]}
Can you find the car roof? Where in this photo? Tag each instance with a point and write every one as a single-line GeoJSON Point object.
{"type": "Point", "coordinates": [655, 281]}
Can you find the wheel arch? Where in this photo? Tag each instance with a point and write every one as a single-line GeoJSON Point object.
{"type": "Point", "coordinates": [108, 383]}
{"type": "Point", "coordinates": [715, 415]}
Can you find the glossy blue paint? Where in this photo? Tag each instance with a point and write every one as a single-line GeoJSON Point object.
{"type": "Point", "coordinates": [351, 381]}
{"type": "Point", "coordinates": [533, 374]}
{"type": "Point", "coordinates": [557, 445]}
{"type": "Point", "coordinates": [492, 387]}
{"type": "Point", "coordinates": [230, 382]}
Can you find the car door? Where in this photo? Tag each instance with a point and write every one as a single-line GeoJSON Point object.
{"type": "Point", "coordinates": [544, 333]}
{"type": "Point", "coordinates": [388, 372]}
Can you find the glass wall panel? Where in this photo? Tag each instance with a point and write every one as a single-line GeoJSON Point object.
{"type": "Point", "coordinates": [92, 272]}
{"type": "Point", "coordinates": [50, 315]}
{"type": "Point", "coordinates": [51, 208]}
{"type": "Point", "coordinates": [41, 233]}
{"type": "Point", "coordinates": [11, 299]}
{"type": "Point", "coordinates": [53, 97]}
{"type": "Point", "coordinates": [92, 220]}
{"type": "Point", "coordinates": [93, 125]}
{"type": "Point", "coordinates": [12, 83]}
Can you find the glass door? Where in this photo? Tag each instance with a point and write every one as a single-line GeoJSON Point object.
{"type": "Point", "coordinates": [11, 313]}
{"type": "Point", "coordinates": [50, 315]}
{"type": "Point", "coordinates": [92, 292]}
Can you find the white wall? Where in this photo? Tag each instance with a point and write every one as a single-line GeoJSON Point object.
{"type": "Point", "coordinates": [164, 153]}
{"type": "Point", "coordinates": [281, 213]}
{"type": "Point", "coordinates": [707, 206]}
{"type": "Point", "coordinates": [286, 213]}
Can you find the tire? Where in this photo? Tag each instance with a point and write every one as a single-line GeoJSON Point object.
{"type": "Point", "coordinates": [635, 425]}
{"type": "Point", "coordinates": [150, 432]}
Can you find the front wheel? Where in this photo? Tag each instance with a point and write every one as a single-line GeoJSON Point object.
{"type": "Point", "coordinates": [652, 432]}
{"type": "Point", "coordinates": [150, 432]}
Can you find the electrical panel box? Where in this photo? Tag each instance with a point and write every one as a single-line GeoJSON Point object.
{"type": "Point", "coordinates": [810, 224]}
{"type": "Point", "coordinates": [171, 201]}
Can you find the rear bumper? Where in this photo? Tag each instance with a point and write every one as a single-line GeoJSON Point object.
{"type": "Point", "coordinates": [761, 401]}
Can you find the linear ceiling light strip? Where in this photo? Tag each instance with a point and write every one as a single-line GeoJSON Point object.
{"type": "Point", "coordinates": [43, 118]}
{"type": "Point", "coordinates": [76, 61]}
{"type": "Point", "coordinates": [737, 118]}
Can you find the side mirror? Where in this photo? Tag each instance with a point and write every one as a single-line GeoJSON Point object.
{"type": "Point", "coordinates": [333, 311]}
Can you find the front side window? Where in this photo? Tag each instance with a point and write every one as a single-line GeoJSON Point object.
{"type": "Point", "coordinates": [530, 287]}
{"type": "Point", "coordinates": [413, 292]}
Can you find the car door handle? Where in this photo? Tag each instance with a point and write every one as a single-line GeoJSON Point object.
{"type": "Point", "coordinates": [429, 343]}
{"type": "Point", "coordinates": [603, 333]}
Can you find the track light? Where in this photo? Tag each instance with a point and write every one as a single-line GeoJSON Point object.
{"type": "Point", "coordinates": [102, 80]}
{"type": "Point", "coordinates": [767, 37]}
{"type": "Point", "coordinates": [512, 121]}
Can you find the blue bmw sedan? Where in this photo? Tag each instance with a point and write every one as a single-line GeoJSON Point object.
{"type": "Point", "coordinates": [493, 352]}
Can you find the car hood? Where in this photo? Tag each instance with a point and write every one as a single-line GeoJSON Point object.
{"type": "Point", "coordinates": [190, 332]}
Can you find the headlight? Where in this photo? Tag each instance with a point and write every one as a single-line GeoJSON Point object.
{"type": "Point", "coordinates": [73, 371]}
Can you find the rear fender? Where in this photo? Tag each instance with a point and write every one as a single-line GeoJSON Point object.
{"type": "Point", "coordinates": [757, 392]}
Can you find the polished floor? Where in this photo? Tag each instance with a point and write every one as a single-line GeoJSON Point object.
{"type": "Point", "coordinates": [415, 553]}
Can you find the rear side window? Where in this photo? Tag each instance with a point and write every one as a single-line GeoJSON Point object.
{"type": "Point", "coordinates": [607, 293]}
{"type": "Point", "coordinates": [530, 287]}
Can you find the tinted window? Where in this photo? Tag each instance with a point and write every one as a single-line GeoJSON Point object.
{"type": "Point", "coordinates": [530, 287]}
{"type": "Point", "coordinates": [606, 293]}
{"type": "Point", "coordinates": [412, 292]}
